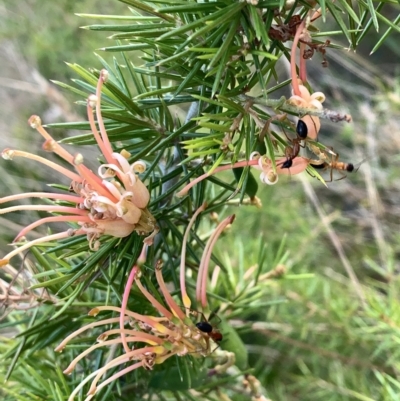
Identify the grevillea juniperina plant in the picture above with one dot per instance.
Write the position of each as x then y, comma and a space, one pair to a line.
203, 102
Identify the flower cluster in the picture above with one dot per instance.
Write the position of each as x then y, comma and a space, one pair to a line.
173, 332
269, 175
112, 202
301, 96
306, 100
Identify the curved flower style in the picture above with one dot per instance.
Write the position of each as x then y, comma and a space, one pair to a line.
300, 95
268, 176
113, 202
172, 333
306, 100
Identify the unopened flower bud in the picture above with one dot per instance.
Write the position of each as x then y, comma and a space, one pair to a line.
102, 337
104, 75
78, 159
7, 154
49, 145
35, 121
93, 312
92, 101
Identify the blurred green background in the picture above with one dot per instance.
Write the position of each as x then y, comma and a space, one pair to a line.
321, 342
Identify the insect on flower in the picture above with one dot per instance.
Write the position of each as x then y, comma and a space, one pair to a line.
290, 164
312, 101
149, 340
291, 152
334, 164
207, 327
172, 333
112, 202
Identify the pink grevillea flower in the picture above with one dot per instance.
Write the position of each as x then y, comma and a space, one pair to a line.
112, 202
201, 286
268, 176
306, 100
171, 333
149, 340
300, 95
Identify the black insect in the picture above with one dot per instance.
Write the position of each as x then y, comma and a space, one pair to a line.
207, 328
301, 129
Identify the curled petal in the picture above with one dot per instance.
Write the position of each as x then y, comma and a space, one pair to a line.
128, 212
297, 101
316, 104
112, 188
102, 204
122, 161
264, 164
313, 126
116, 228
138, 167
304, 93
269, 178
141, 195
255, 156
107, 174
318, 96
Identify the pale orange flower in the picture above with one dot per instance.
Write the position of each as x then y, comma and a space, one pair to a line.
269, 175
306, 100
112, 202
150, 340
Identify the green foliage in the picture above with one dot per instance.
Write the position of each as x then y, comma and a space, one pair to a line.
193, 86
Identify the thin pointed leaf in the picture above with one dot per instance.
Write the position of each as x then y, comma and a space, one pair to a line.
373, 14
385, 35
226, 45
347, 7
338, 18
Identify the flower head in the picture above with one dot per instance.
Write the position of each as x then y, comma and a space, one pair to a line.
306, 100
112, 202
172, 333
150, 340
269, 175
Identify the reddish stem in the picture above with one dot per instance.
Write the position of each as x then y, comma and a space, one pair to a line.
164, 311
295, 83
54, 219
94, 181
47, 195
185, 298
103, 132
201, 287
302, 68
124, 304
243, 163
107, 153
